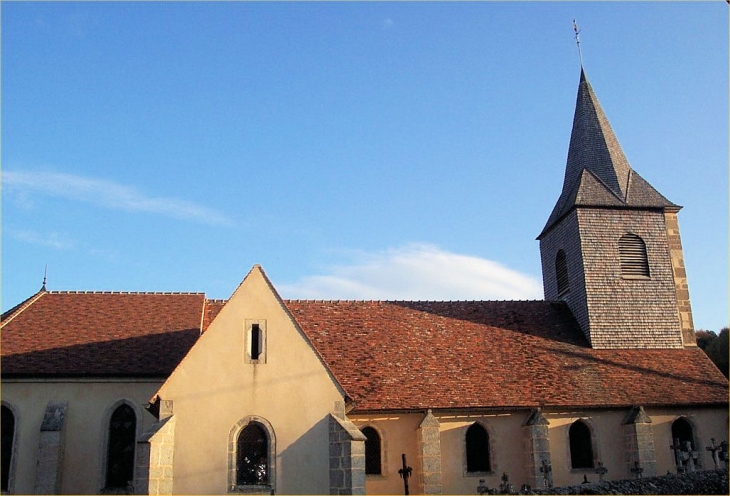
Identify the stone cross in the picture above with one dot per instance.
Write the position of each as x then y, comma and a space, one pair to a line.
677, 448
638, 470
405, 474
723, 453
601, 471
547, 475
714, 449
690, 456
505, 487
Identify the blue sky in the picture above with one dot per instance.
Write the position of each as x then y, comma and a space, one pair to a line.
354, 150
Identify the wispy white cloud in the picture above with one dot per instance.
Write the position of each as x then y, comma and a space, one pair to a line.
107, 194
51, 240
416, 272
388, 23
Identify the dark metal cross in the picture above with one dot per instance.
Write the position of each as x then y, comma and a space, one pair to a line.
638, 470
714, 450
405, 473
601, 471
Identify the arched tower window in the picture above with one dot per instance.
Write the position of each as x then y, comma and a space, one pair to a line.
477, 449
252, 456
121, 446
634, 260
561, 273
581, 445
372, 452
8, 436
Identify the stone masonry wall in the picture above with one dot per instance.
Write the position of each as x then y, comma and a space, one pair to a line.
347, 456
429, 454
680, 278
153, 472
51, 449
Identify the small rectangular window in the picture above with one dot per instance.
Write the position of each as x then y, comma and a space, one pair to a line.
254, 346
255, 342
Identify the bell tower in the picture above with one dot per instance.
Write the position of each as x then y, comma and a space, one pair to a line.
611, 247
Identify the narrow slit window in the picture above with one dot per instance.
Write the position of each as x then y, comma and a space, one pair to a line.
561, 273
8, 435
255, 341
632, 252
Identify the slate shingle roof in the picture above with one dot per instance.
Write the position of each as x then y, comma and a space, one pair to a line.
386, 355
100, 334
597, 172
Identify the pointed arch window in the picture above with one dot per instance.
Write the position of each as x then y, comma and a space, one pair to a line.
561, 273
8, 436
581, 445
120, 449
634, 259
477, 449
252, 456
373, 452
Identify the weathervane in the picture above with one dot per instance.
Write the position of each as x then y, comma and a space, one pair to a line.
45, 276
577, 40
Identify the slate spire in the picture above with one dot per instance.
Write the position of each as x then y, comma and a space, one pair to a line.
597, 173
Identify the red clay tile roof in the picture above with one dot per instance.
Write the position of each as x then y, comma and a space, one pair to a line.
417, 355
386, 355
100, 334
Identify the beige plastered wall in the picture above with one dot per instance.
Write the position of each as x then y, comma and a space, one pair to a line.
399, 435
214, 388
90, 405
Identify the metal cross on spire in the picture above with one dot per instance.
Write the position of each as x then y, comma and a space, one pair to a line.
577, 40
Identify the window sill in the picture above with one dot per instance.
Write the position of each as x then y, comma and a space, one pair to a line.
251, 489
479, 474
635, 278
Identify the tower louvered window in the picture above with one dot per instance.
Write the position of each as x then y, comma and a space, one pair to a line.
634, 261
561, 273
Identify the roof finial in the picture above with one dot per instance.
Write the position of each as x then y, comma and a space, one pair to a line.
45, 276
577, 41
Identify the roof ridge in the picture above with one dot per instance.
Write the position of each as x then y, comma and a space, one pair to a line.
18, 309
314, 300
127, 292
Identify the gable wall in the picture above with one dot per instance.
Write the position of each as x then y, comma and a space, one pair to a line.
89, 406
214, 388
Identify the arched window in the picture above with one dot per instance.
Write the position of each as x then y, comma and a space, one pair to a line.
477, 449
581, 445
252, 456
120, 448
561, 273
682, 431
372, 452
8, 435
632, 251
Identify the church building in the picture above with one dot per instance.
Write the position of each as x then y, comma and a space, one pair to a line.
175, 393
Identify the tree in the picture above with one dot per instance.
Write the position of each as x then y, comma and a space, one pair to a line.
716, 347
